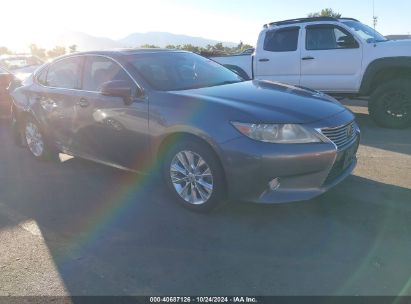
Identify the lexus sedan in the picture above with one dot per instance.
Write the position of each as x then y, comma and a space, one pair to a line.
215, 136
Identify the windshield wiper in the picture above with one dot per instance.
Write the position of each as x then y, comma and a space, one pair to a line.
207, 85
225, 82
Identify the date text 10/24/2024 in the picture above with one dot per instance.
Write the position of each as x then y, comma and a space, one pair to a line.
203, 300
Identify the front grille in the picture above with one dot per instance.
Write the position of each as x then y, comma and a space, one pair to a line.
341, 136
343, 160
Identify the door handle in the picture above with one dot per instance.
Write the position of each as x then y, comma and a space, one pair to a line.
308, 58
83, 103
264, 60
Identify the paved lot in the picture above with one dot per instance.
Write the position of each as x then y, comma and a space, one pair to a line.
80, 228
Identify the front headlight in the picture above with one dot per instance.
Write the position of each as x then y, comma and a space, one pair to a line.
278, 133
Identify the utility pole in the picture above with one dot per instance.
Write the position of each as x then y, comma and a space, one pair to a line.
374, 18
375, 21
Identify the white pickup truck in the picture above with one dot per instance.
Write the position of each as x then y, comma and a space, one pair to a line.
341, 57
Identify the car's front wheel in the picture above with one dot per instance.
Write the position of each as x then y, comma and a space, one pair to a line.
390, 104
194, 175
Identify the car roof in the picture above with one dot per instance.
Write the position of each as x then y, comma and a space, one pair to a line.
117, 52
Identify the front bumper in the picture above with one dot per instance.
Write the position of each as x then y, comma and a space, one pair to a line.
304, 171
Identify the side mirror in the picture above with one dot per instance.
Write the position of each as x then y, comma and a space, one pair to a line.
347, 42
118, 88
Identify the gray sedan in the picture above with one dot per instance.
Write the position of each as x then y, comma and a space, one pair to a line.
213, 135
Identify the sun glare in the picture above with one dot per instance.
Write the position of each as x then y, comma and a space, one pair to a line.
47, 23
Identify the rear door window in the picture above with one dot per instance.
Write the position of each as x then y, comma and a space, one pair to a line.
282, 40
42, 77
65, 73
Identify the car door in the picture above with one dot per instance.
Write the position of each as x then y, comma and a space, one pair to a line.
331, 59
55, 97
107, 128
278, 55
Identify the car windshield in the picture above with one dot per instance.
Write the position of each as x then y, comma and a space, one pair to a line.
364, 31
19, 62
171, 71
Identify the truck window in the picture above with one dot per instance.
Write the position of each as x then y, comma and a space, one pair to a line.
282, 40
328, 37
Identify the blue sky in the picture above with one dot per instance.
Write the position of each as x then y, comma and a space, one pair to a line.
225, 20
393, 16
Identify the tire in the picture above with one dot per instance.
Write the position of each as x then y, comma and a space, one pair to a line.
201, 189
390, 104
35, 140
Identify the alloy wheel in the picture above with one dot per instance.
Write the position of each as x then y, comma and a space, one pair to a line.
34, 139
397, 105
191, 177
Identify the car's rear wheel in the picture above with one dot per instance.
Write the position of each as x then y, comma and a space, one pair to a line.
194, 175
36, 140
390, 104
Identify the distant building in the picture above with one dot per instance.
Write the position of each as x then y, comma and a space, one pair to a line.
398, 37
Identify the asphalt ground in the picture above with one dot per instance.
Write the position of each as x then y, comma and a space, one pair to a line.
80, 228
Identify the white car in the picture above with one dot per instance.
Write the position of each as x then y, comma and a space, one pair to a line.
338, 56
21, 66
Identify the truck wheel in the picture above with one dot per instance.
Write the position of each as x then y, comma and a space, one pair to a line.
390, 104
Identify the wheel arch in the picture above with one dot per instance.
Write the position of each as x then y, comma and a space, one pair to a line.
382, 70
167, 141
22, 116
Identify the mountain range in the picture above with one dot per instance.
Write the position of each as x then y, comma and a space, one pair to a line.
87, 42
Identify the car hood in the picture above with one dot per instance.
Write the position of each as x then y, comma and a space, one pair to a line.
268, 101
392, 48
402, 42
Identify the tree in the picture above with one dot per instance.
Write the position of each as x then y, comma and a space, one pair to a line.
149, 46
73, 48
36, 51
57, 51
242, 47
208, 51
191, 48
219, 46
326, 12
4, 50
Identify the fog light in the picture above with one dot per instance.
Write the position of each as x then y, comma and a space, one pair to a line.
274, 184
